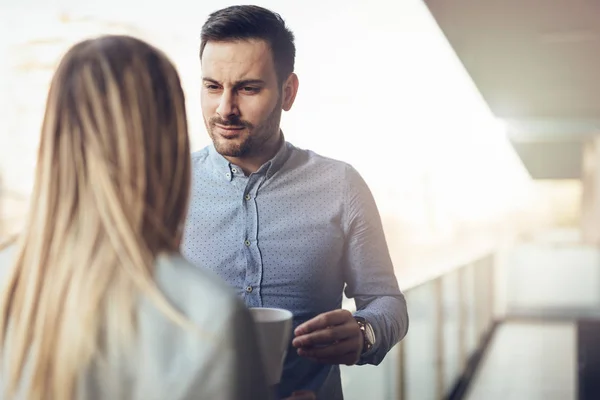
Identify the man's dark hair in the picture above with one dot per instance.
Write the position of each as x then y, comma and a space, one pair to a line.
253, 22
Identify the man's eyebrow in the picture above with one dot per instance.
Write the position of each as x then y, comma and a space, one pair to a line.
243, 82
211, 80
249, 82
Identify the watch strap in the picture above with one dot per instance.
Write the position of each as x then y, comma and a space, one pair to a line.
362, 325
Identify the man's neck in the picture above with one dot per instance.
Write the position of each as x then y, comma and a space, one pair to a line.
252, 162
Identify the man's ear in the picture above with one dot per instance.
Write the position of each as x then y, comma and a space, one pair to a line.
289, 90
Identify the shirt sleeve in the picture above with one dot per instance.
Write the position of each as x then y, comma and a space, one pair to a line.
368, 269
236, 371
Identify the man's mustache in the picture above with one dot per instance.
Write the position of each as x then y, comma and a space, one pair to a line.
232, 121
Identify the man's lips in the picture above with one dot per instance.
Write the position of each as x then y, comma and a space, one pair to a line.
229, 131
229, 127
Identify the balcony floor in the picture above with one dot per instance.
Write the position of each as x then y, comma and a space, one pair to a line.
529, 361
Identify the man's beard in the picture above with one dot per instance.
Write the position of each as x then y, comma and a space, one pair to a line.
255, 136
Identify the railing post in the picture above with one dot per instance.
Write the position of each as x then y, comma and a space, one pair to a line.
400, 386
462, 318
491, 267
439, 335
481, 291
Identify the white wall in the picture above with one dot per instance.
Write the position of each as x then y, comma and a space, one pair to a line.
380, 88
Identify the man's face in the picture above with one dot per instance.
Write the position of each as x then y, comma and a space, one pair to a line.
241, 100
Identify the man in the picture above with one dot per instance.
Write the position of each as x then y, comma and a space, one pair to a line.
286, 227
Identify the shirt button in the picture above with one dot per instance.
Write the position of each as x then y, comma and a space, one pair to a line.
249, 289
228, 175
234, 170
247, 197
247, 243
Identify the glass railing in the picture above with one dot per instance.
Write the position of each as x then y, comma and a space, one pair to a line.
451, 315
451, 311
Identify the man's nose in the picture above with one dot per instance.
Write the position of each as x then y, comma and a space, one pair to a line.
227, 105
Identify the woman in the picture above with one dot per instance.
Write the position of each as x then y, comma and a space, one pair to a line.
99, 305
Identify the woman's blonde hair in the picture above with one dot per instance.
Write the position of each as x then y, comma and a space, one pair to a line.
110, 195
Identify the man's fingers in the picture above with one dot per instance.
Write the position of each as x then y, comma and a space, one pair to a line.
334, 350
322, 321
330, 338
349, 358
326, 336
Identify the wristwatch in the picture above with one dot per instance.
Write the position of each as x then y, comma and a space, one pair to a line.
368, 333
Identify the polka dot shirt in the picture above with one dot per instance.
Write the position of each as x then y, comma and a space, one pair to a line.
295, 234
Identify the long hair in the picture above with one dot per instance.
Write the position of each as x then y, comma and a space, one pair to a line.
110, 195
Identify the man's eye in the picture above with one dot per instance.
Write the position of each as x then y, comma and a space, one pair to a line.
212, 87
250, 89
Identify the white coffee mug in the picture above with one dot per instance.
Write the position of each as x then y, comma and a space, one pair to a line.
274, 330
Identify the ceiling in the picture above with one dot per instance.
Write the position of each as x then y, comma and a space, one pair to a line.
536, 63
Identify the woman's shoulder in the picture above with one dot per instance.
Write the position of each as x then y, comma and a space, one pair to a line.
197, 292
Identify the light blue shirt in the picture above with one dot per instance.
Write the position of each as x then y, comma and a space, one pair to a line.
295, 235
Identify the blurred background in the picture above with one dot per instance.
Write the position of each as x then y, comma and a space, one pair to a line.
476, 124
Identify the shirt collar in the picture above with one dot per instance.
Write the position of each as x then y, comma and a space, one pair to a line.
227, 170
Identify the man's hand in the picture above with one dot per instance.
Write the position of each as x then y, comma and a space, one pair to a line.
333, 337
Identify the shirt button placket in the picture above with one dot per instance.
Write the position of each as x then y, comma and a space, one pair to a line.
253, 271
